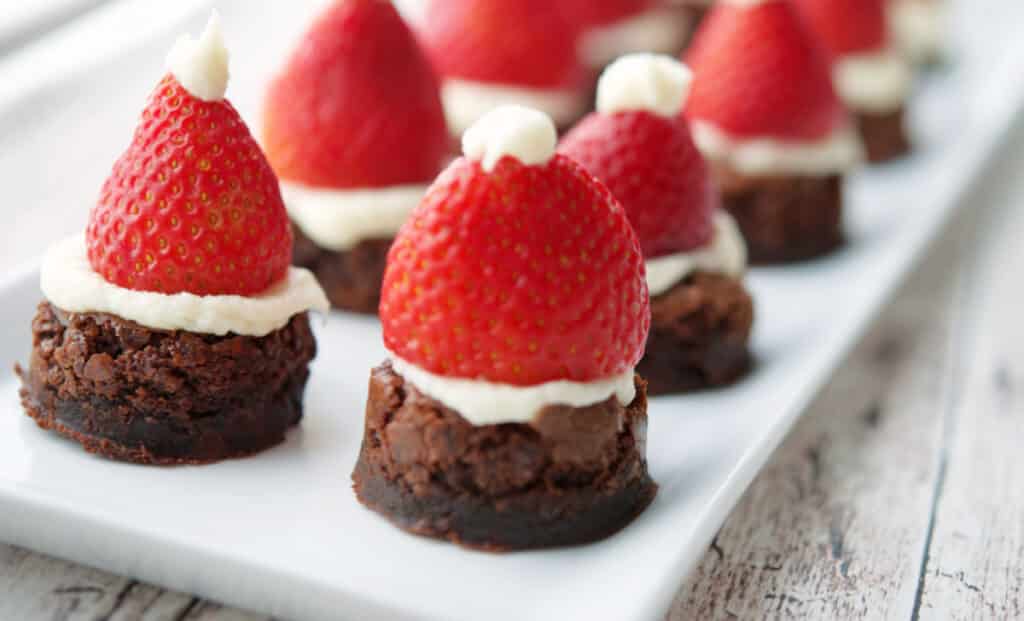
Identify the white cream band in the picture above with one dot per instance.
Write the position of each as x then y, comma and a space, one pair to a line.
726, 253
467, 102
488, 403
837, 153
339, 219
919, 27
201, 65
659, 30
875, 83
69, 283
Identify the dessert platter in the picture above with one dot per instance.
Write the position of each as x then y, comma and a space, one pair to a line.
507, 342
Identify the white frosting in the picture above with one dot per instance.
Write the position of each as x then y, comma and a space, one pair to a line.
201, 65
660, 30
488, 403
650, 82
514, 131
838, 152
69, 282
467, 102
919, 27
876, 82
339, 219
726, 253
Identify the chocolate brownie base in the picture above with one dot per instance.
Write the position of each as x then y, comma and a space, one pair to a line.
884, 135
135, 394
784, 219
699, 334
351, 278
572, 476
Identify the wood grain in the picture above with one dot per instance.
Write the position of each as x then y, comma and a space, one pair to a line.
835, 526
974, 568
38, 587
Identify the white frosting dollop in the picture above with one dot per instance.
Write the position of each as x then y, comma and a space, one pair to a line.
467, 102
201, 65
513, 131
488, 403
877, 82
839, 152
651, 82
658, 30
919, 27
69, 282
726, 253
339, 219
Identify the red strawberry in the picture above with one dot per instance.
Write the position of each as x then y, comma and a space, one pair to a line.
357, 105
847, 26
526, 43
591, 13
651, 165
523, 275
192, 205
758, 71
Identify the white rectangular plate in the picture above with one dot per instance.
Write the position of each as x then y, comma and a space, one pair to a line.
282, 533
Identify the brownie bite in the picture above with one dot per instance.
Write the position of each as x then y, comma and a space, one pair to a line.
570, 476
700, 333
784, 219
509, 415
766, 115
701, 313
871, 74
354, 127
132, 393
174, 330
350, 278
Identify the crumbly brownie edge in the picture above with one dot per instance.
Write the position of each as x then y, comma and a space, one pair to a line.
884, 135
502, 487
129, 393
350, 278
700, 330
784, 219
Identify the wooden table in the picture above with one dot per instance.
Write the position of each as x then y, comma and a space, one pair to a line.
895, 497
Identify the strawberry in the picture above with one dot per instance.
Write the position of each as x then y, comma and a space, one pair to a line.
591, 13
650, 163
527, 43
846, 26
192, 205
357, 105
759, 72
522, 275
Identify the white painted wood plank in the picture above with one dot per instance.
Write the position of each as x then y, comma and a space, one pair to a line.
39, 587
835, 527
975, 568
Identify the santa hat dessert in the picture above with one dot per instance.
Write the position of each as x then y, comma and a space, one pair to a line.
612, 28
515, 310
174, 330
354, 127
919, 28
494, 52
871, 76
766, 116
636, 144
